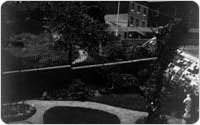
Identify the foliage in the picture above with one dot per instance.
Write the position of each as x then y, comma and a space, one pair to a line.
32, 44
72, 21
117, 81
75, 91
114, 51
72, 24
142, 120
20, 18
168, 40
37, 51
175, 93
77, 28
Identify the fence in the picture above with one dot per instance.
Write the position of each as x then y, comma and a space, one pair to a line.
81, 67
22, 63
39, 61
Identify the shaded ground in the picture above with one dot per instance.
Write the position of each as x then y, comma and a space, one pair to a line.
192, 50
128, 101
170, 106
77, 115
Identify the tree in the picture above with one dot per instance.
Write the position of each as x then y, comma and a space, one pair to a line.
168, 41
72, 21
20, 17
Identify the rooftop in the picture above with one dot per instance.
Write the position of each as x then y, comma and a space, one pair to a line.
112, 19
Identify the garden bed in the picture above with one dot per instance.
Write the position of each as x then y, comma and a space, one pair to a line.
16, 112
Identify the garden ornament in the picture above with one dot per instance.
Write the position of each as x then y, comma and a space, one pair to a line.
187, 101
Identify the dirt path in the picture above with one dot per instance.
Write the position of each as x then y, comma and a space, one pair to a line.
126, 116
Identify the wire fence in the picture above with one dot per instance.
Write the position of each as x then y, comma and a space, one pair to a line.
83, 59
82, 66
39, 61
21, 63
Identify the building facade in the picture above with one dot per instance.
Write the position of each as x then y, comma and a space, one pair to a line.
138, 14
143, 16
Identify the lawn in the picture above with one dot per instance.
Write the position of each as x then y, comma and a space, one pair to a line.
78, 115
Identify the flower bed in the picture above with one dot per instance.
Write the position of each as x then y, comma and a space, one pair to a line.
16, 112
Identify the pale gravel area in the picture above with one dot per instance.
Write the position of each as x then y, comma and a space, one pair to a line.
126, 116
191, 49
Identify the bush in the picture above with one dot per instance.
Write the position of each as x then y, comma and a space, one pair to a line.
17, 112
175, 93
115, 80
114, 51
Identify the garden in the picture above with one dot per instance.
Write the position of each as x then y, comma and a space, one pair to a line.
139, 86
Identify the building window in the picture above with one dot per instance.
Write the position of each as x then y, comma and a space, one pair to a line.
137, 22
145, 11
138, 8
125, 35
133, 6
155, 24
131, 20
156, 12
143, 24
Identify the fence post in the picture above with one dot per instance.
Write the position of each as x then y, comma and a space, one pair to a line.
70, 59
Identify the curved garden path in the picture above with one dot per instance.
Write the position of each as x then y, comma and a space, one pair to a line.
125, 116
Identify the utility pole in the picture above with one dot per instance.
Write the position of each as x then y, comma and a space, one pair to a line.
175, 12
118, 8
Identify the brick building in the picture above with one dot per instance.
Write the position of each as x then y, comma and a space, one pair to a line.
138, 14
141, 17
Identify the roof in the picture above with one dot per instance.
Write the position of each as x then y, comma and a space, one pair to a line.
140, 30
112, 19
144, 3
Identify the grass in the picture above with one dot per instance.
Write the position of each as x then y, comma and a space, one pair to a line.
33, 44
77, 115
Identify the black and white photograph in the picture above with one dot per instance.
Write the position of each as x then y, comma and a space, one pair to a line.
99, 62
